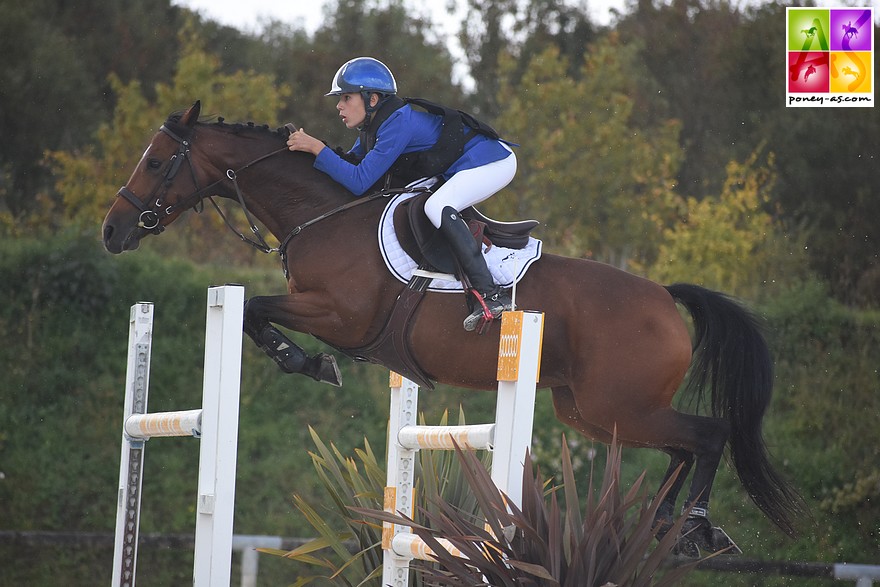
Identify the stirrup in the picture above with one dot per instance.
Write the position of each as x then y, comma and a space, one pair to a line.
489, 307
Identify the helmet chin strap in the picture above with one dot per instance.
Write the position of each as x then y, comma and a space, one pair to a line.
371, 109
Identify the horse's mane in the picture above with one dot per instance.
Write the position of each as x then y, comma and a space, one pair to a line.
173, 123
237, 127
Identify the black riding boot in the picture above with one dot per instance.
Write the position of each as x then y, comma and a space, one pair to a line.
470, 256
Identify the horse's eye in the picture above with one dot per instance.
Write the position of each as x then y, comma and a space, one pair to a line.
154, 164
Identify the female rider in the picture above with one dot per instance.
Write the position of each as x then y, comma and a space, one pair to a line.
390, 128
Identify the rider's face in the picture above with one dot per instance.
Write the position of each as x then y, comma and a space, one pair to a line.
352, 110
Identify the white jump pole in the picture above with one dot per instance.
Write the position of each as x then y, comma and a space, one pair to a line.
216, 424
137, 385
519, 368
519, 360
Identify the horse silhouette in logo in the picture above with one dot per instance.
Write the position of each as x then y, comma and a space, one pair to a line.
810, 71
847, 70
849, 31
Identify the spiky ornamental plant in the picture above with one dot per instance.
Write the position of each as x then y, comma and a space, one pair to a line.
353, 556
611, 544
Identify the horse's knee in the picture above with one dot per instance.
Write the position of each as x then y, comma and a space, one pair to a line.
255, 320
253, 307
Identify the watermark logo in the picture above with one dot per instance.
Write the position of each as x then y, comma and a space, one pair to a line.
830, 57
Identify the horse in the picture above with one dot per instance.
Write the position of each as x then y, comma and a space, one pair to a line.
809, 33
615, 351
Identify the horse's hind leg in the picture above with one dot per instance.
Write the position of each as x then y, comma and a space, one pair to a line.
290, 357
680, 463
688, 439
701, 442
698, 532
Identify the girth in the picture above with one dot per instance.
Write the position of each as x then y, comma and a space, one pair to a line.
391, 348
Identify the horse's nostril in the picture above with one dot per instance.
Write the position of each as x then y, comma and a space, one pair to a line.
108, 232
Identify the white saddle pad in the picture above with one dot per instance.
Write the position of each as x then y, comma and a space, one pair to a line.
507, 266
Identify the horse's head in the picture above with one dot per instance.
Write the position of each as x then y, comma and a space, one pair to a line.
162, 186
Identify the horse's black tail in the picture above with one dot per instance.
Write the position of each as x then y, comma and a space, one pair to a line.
732, 359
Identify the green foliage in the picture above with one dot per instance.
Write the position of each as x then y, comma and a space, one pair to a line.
829, 358
694, 69
88, 180
679, 91
53, 82
64, 302
730, 242
718, 81
600, 182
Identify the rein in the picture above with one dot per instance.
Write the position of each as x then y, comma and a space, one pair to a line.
151, 217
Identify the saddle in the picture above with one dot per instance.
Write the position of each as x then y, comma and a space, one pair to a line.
424, 243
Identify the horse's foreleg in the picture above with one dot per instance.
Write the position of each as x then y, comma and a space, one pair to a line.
290, 357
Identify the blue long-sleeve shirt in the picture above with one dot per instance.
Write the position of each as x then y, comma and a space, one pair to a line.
404, 131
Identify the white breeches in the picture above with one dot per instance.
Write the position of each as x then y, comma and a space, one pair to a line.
470, 186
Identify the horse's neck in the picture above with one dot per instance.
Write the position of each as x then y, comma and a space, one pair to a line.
281, 189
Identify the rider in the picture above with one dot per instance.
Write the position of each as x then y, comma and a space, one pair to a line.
390, 128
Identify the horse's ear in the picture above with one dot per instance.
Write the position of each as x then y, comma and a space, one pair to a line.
191, 116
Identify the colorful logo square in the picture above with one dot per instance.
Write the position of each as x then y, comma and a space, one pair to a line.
850, 72
830, 56
808, 71
851, 29
808, 29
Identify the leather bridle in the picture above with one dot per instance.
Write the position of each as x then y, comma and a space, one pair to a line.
152, 215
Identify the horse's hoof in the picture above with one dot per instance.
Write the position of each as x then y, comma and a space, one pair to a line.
708, 538
722, 542
686, 548
326, 370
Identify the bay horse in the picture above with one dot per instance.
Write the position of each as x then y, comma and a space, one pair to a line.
615, 352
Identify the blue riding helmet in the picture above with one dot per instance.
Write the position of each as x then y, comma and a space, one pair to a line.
363, 74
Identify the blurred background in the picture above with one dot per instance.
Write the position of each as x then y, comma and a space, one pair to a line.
653, 137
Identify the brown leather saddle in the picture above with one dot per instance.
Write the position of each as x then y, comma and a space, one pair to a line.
424, 243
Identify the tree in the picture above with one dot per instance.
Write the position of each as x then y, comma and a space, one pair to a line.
601, 185
483, 45
498, 29
711, 59
53, 82
730, 242
684, 44
87, 179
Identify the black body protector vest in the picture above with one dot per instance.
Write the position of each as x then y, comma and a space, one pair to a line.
457, 129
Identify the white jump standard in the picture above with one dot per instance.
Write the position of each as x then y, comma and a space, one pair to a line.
519, 360
217, 453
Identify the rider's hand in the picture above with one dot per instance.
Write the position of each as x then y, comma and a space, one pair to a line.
302, 141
